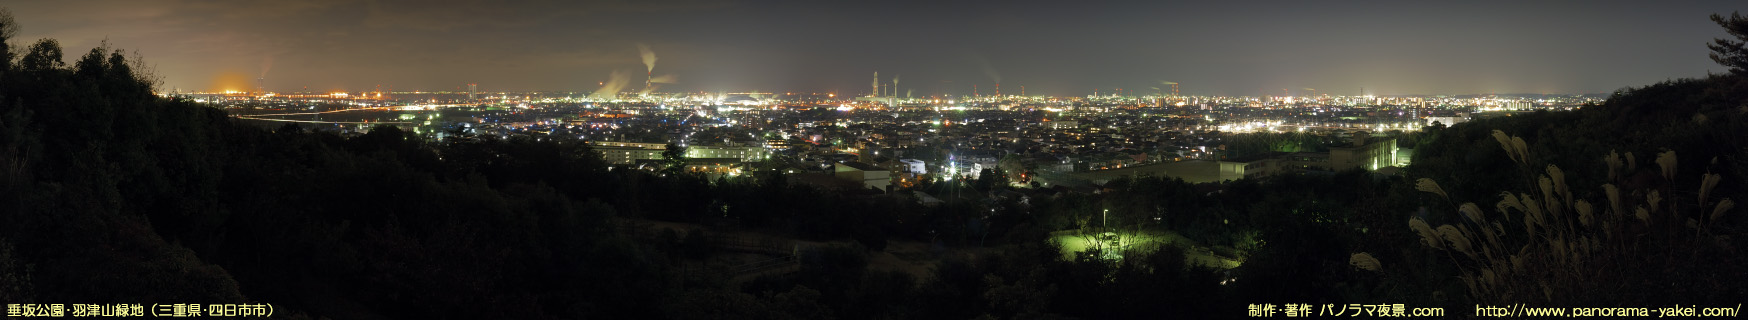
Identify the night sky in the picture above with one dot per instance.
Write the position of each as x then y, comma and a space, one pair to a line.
1055, 47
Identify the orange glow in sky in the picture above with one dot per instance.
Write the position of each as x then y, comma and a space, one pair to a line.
232, 80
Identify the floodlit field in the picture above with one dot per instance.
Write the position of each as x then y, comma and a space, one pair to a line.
1135, 242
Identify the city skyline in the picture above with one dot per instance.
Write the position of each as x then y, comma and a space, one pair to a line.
1212, 49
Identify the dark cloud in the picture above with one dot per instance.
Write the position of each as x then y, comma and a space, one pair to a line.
1059, 48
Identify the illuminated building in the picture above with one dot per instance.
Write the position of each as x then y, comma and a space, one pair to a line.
630, 152
745, 154
914, 166
869, 175
628, 155
1368, 156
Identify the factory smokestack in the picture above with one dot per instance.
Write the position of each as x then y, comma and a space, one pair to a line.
893, 102
649, 60
261, 82
874, 89
894, 91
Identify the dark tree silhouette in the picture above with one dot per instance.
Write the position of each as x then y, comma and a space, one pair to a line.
8, 29
674, 159
1731, 53
43, 56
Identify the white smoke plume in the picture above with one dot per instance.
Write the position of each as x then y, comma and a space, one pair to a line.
610, 89
987, 69
266, 65
656, 83
649, 58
